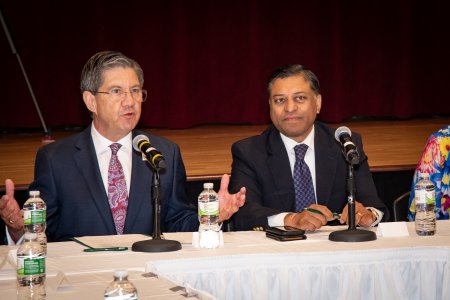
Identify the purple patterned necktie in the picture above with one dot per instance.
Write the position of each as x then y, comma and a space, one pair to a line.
304, 189
117, 189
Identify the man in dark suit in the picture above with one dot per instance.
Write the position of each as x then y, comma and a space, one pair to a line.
266, 164
91, 189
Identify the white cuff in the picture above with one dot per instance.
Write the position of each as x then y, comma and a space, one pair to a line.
378, 214
276, 220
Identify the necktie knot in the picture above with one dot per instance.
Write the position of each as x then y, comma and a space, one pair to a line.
114, 148
300, 151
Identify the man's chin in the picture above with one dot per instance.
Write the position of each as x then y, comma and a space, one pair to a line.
129, 125
293, 133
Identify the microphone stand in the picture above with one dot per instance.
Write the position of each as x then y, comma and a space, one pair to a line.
47, 135
352, 234
157, 243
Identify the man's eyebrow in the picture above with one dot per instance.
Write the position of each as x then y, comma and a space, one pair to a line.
294, 93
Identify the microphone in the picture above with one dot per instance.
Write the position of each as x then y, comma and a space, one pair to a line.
343, 136
156, 160
142, 144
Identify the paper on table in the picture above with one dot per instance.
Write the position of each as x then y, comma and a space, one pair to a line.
59, 282
8, 256
324, 232
392, 229
106, 241
11, 258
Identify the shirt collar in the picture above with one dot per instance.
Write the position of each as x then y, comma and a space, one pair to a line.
102, 144
290, 143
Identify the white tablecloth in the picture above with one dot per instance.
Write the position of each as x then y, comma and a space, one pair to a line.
411, 273
389, 268
250, 266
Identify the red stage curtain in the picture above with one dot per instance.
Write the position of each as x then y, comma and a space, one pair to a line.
207, 61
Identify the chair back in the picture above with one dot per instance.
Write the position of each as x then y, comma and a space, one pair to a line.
400, 207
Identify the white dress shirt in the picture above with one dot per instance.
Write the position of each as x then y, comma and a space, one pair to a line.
278, 220
103, 151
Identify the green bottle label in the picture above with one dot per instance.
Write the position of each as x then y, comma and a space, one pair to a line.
425, 197
208, 209
30, 266
31, 217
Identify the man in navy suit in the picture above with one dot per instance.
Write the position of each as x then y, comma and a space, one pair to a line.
264, 164
72, 174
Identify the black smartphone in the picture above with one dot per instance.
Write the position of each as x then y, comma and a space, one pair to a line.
285, 233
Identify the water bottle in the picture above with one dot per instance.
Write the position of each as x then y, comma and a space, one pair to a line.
120, 288
34, 217
30, 268
425, 203
208, 215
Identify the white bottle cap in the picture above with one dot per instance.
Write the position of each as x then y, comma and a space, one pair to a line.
208, 185
34, 193
120, 274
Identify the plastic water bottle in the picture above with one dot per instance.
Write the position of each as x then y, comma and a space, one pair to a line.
34, 217
120, 288
30, 268
425, 203
208, 215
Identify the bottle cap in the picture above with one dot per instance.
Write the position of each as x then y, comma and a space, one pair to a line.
208, 185
30, 236
120, 274
424, 175
34, 193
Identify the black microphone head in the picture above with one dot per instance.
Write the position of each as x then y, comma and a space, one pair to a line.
342, 130
137, 139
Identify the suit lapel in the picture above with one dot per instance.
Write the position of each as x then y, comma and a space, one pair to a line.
141, 181
86, 161
280, 169
325, 160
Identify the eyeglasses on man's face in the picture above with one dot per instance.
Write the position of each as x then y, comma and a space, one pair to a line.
118, 94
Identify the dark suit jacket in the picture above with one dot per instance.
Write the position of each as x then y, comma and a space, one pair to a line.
261, 164
68, 176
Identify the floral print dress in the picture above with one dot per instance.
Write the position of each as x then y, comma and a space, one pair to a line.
435, 161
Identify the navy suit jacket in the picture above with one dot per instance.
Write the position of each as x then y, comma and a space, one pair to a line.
261, 164
68, 176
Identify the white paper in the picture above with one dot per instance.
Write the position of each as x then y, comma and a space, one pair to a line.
10, 258
59, 282
392, 229
106, 241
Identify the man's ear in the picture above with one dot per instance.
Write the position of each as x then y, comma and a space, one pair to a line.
318, 103
89, 101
